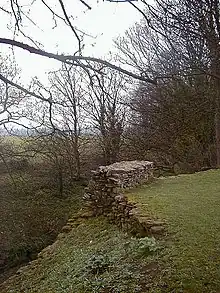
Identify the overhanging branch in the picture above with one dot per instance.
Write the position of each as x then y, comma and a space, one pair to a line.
68, 58
7, 81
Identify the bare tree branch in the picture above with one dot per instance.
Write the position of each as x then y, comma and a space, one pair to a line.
7, 81
86, 4
70, 24
67, 58
4, 10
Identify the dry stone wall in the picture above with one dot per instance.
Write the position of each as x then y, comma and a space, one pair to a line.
105, 195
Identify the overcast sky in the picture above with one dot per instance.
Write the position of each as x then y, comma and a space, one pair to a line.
104, 23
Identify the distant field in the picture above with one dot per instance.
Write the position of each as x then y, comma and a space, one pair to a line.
191, 206
16, 140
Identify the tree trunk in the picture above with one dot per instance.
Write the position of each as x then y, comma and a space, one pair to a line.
60, 180
59, 175
77, 157
8, 170
217, 129
216, 83
77, 153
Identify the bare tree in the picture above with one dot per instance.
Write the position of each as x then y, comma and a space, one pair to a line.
61, 14
192, 22
187, 29
67, 91
11, 99
11, 110
106, 109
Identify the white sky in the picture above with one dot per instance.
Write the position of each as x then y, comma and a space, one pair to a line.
105, 22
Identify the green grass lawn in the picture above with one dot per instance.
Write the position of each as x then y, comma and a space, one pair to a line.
191, 206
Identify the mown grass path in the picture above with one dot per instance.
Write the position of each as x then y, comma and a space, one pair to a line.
191, 206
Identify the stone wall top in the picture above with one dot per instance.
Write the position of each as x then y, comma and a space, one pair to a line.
126, 166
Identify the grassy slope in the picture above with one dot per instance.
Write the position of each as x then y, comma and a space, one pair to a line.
191, 206
30, 220
94, 257
189, 263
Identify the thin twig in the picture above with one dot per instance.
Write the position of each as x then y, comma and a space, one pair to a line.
70, 24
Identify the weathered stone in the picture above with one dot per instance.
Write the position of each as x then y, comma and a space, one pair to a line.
70, 221
87, 214
74, 217
61, 236
21, 270
136, 213
120, 198
103, 196
158, 223
145, 221
157, 229
66, 229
